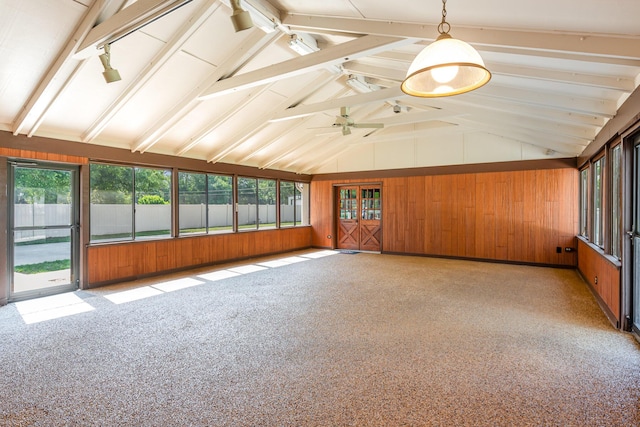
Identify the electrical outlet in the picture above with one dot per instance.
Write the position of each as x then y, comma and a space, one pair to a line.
595, 280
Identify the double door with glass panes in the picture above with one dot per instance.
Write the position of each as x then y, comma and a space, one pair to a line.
359, 216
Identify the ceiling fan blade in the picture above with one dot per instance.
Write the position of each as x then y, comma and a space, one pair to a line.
368, 125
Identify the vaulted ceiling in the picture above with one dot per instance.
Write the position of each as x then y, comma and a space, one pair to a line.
191, 86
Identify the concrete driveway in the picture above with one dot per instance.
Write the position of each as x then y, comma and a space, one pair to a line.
34, 254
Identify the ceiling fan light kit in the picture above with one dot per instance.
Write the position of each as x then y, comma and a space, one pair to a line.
446, 67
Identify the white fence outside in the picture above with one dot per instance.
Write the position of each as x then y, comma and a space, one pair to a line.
41, 215
116, 219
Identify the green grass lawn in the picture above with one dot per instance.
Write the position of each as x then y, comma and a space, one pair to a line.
43, 267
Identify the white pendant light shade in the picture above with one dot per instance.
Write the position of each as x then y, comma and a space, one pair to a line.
446, 67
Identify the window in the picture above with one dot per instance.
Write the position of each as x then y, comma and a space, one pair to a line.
152, 203
293, 205
616, 206
266, 203
598, 201
287, 204
584, 202
247, 203
302, 194
206, 203
117, 190
220, 197
192, 197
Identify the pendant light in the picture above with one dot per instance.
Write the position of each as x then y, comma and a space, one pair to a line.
446, 67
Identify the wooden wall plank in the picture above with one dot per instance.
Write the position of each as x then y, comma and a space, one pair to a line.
520, 216
36, 155
592, 264
108, 263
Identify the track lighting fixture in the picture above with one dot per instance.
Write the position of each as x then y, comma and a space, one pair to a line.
110, 75
240, 18
446, 67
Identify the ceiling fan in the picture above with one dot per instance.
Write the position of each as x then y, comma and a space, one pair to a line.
346, 123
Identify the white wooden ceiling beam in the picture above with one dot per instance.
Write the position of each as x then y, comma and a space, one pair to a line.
564, 55
591, 44
411, 134
238, 139
477, 111
176, 42
47, 108
40, 98
231, 112
318, 83
553, 101
334, 55
255, 42
583, 79
266, 144
365, 69
299, 149
573, 135
331, 104
326, 152
524, 112
529, 137
618, 83
124, 22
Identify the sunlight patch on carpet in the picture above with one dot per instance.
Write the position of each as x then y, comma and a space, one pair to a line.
176, 285
53, 307
133, 295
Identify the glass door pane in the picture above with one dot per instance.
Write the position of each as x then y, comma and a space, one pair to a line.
43, 235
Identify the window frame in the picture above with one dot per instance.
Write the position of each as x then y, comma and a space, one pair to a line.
584, 202
615, 210
599, 200
133, 234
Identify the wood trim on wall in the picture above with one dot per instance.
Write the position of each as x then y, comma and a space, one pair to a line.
519, 216
125, 261
38, 155
93, 152
522, 165
603, 277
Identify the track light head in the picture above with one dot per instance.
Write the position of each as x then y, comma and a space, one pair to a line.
240, 18
110, 75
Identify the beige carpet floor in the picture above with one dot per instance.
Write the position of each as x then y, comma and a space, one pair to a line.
322, 339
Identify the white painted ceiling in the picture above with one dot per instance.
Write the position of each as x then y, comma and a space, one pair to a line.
193, 87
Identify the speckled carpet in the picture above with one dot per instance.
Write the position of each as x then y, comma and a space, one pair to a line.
313, 340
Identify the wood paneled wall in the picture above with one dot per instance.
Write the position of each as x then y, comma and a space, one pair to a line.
107, 263
49, 157
520, 216
603, 275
